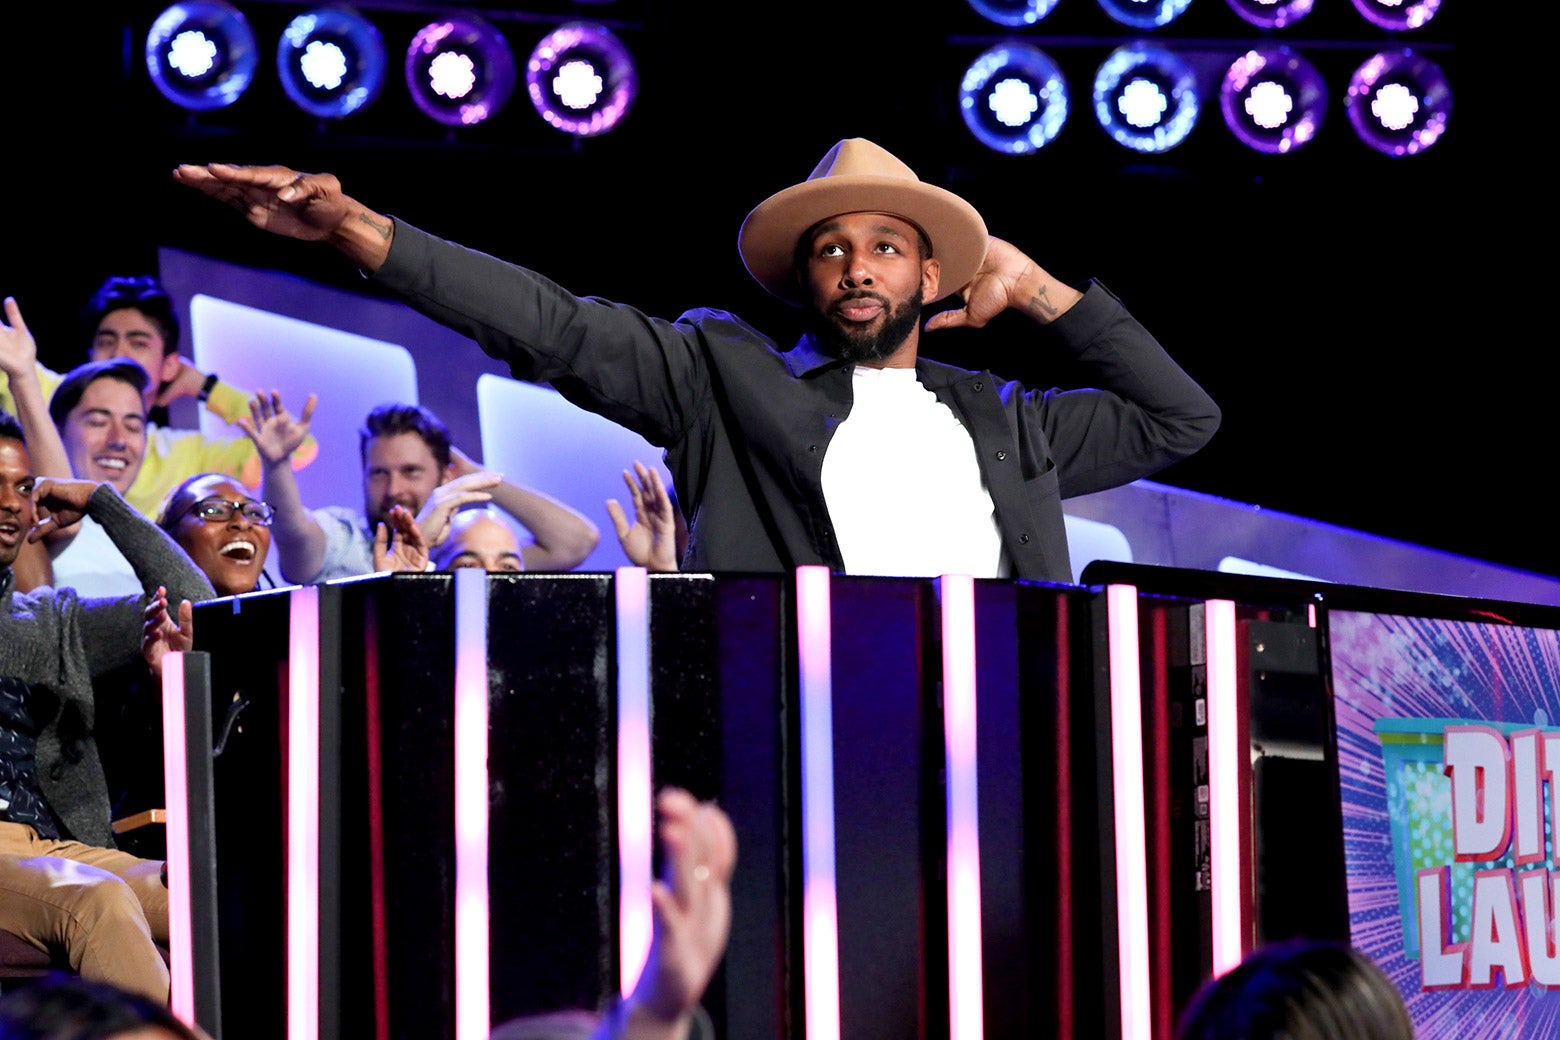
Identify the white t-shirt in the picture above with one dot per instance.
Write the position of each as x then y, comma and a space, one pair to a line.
903, 486
93, 566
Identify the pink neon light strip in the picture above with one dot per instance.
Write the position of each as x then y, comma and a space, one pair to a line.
176, 799
1225, 765
473, 1017
634, 798
303, 813
966, 993
820, 914
1126, 740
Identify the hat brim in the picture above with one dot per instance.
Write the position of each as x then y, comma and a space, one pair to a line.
769, 235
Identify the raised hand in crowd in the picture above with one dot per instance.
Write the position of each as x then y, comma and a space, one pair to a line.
692, 904
59, 504
19, 362
399, 544
18, 350
275, 431
651, 540
163, 634
468, 488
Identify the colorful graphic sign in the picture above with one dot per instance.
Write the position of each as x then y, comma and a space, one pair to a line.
1447, 760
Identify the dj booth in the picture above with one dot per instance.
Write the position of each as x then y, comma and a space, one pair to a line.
418, 806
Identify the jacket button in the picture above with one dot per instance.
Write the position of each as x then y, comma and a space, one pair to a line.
979, 386
1001, 455
1023, 539
812, 448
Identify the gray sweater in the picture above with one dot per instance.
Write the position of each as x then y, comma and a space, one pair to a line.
59, 643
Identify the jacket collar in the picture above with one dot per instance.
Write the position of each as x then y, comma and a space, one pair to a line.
806, 357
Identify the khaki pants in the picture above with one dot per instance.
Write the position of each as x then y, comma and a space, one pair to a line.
105, 910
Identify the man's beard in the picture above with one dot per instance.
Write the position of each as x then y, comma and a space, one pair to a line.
856, 344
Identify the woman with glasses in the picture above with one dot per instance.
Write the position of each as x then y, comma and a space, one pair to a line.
225, 531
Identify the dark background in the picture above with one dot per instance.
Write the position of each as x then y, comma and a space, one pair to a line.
1372, 327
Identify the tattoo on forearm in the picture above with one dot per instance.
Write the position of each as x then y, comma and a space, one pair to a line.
380, 229
1040, 304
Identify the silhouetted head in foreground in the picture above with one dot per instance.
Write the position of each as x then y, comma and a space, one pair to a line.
1299, 990
66, 1007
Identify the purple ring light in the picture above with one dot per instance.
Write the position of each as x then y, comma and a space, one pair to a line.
582, 79
460, 70
1398, 102
1146, 97
201, 54
1144, 14
1399, 16
1273, 99
1013, 99
1013, 13
331, 61
1271, 14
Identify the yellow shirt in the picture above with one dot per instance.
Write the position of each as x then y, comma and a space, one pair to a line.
172, 455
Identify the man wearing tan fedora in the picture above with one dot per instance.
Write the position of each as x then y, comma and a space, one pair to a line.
849, 449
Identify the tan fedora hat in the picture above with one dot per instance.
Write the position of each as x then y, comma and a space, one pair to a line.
858, 176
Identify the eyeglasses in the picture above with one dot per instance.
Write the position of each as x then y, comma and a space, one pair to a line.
221, 510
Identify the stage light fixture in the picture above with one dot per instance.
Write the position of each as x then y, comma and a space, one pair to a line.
1144, 14
1146, 97
582, 79
1398, 102
1015, 13
331, 61
1273, 99
460, 70
1013, 98
1271, 14
1396, 15
201, 55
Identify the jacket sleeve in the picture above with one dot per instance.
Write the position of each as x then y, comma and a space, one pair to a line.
111, 627
644, 373
1140, 411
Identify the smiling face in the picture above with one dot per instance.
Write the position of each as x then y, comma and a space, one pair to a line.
16, 499
866, 278
105, 434
398, 469
231, 551
128, 333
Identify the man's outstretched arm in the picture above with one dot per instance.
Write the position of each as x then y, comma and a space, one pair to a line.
310, 207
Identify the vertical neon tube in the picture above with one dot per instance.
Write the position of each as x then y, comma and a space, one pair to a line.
473, 1019
1225, 766
303, 813
635, 816
966, 1013
820, 916
1126, 741
181, 926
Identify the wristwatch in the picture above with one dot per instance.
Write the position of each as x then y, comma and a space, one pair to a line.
206, 387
